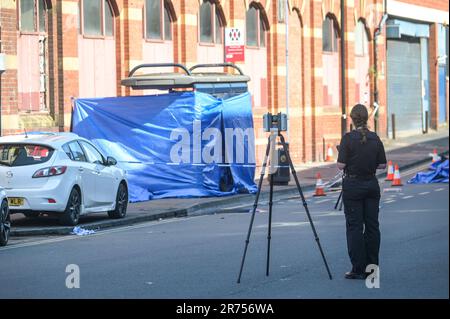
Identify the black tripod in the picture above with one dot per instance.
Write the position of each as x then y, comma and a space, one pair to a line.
272, 138
339, 200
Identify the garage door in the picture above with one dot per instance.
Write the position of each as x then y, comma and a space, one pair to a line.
404, 94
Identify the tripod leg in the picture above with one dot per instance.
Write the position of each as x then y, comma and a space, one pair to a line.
263, 170
269, 233
342, 203
305, 204
338, 200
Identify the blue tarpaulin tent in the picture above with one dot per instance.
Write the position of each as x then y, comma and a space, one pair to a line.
180, 144
437, 173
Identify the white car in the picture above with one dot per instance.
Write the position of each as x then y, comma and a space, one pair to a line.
60, 173
5, 221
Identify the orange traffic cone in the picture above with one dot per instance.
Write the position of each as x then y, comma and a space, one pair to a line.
390, 172
397, 179
435, 156
319, 186
329, 157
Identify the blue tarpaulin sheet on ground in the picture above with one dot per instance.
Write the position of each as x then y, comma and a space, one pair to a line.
437, 173
180, 144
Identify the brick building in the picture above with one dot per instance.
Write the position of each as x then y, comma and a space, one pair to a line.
55, 50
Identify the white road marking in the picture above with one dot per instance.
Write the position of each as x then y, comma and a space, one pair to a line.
322, 201
287, 224
406, 197
424, 193
390, 190
389, 201
439, 189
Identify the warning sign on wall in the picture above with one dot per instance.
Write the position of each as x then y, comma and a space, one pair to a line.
234, 45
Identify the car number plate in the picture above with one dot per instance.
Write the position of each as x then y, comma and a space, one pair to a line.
15, 201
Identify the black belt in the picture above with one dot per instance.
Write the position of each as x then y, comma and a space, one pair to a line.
365, 177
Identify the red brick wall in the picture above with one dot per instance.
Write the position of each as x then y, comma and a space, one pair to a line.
8, 80
311, 125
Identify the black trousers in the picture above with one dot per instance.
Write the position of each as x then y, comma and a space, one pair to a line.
361, 207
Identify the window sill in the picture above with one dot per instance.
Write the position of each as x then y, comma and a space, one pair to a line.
32, 33
251, 47
208, 44
159, 41
329, 52
98, 37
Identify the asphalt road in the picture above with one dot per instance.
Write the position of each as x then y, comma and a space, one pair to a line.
199, 257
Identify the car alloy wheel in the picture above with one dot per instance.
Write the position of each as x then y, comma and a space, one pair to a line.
71, 214
121, 203
122, 200
75, 205
5, 223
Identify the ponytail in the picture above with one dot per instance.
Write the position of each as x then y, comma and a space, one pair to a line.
363, 130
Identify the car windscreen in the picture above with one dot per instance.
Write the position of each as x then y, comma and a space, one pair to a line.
24, 154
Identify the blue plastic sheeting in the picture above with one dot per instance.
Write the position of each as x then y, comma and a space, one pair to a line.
437, 173
173, 145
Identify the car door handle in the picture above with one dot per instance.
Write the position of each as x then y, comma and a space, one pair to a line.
80, 169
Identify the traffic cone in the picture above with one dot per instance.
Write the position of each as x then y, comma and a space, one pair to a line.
435, 156
319, 186
397, 179
390, 172
329, 157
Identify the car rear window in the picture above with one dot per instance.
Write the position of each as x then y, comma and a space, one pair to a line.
24, 154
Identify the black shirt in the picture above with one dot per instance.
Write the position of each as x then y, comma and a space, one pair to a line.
361, 159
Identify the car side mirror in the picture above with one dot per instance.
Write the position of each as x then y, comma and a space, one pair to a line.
111, 161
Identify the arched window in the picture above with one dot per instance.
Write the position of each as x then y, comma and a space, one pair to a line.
158, 20
361, 39
32, 15
255, 27
211, 23
330, 35
98, 18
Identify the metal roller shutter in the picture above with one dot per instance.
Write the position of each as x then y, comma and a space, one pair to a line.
404, 95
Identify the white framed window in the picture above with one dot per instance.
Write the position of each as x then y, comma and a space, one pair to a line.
330, 35
255, 28
158, 20
97, 18
32, 16
361, 39
211, 23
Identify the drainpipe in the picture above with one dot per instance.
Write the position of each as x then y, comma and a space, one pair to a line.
377, 32
2, 69
286, 21
343, 94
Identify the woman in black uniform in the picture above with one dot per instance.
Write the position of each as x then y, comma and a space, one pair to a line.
361, 153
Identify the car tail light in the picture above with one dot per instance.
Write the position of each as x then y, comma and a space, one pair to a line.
50, 171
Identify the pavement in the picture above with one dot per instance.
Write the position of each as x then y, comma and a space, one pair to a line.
199, 256
407, 152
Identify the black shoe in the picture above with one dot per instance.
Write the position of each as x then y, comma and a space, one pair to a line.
355, 275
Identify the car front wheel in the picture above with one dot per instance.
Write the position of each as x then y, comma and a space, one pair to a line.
121, 203
71, 215
5, 223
